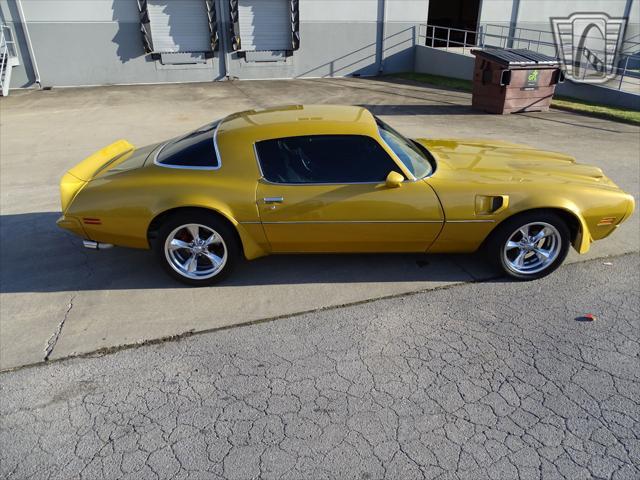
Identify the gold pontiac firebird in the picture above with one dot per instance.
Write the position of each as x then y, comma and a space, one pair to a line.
335, 179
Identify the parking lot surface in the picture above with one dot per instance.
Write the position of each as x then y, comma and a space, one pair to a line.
485, 380
59, 300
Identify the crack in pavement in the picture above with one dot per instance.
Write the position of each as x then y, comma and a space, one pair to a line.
474, 279
478, 381
53, 339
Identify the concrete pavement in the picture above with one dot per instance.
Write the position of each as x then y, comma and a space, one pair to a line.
57, 298
485, 380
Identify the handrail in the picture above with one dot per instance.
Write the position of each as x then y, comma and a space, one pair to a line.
4, 53
448, 28
628, 42
468, 35
517, 28
4, 43
7, 49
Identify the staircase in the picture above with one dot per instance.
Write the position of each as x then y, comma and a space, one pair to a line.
8, 58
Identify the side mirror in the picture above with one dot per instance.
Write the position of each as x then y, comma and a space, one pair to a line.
394, 180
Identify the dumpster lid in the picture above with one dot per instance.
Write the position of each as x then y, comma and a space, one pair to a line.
516, 57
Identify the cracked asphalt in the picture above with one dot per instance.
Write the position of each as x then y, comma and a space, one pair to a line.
482, 380
122, 297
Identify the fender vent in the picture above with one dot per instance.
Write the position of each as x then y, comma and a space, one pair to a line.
491, 204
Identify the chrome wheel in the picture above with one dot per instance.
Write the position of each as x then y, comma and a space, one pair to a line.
195, 251
532, 248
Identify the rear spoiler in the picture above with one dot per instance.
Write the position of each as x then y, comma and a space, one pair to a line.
76, 178
95, 163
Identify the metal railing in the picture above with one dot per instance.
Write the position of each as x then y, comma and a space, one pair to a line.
626, 71
545, 38
623, 77
447, 37
519, 37
7, 52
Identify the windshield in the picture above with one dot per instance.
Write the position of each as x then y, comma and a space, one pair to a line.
414, 157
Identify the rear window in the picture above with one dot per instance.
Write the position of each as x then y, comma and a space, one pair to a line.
195, 149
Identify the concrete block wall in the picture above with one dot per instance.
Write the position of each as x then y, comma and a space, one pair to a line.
436, 61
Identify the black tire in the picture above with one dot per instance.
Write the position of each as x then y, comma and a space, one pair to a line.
505, 263
212, 222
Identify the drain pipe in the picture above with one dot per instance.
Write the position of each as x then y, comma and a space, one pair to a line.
627, 9
513, 24
32, 55
224, 62
225, 45
382, 16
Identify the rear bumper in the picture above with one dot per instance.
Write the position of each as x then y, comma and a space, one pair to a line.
73, 225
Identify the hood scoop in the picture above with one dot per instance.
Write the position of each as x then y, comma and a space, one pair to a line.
557, 167
512, 162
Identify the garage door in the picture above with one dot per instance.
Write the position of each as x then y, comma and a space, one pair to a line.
264, 24
179, 25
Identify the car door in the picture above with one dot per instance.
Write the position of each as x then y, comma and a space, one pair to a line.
327, 193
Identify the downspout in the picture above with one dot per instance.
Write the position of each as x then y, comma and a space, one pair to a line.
225, 46
382, 16
222, 39
25, 29
627, 9
515, 10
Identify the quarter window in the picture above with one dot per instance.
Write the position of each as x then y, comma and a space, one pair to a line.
324, 159
196, 149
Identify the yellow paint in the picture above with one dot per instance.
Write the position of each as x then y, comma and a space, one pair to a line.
394, 179
530, 178
451, 211
90, 166
364, 217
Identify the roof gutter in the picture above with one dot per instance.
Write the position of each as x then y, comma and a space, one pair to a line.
32, 55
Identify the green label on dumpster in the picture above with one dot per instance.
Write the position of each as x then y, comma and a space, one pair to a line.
532, 78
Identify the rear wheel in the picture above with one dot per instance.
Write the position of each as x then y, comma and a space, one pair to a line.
197, 249
530, 245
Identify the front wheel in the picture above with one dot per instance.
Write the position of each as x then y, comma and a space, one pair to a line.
196, 249
530, 246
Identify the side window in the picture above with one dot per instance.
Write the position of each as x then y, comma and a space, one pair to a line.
195, 149
324, 159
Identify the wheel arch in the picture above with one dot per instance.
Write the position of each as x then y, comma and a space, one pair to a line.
580, 237
250, 248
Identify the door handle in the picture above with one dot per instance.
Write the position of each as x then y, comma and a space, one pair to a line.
273, 199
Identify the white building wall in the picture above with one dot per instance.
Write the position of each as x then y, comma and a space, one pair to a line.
98, 42
536, 14
86, 42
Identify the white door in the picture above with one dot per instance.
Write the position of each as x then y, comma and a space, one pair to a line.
179, 26
265, 24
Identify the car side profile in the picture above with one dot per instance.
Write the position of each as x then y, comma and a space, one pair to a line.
335, 179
